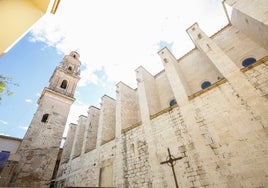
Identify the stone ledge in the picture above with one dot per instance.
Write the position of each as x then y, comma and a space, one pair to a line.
131, 127
216, 84
260, 61
163, 111
106, 141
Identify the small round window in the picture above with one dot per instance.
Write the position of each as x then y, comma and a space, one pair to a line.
248, 61
205, 84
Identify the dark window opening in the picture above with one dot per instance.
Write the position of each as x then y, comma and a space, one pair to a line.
172, 102
64, 84
70, 68
205, 84
4, 155
248, 61
44, 118
165, 60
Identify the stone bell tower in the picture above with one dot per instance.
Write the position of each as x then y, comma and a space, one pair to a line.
41, 143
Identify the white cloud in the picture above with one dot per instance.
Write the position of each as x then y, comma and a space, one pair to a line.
3, 122
122, 35
23, 127
28, 100
87, 77
76, 110
116, 37
4, 134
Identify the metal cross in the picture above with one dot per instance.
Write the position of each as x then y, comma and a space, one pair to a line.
171, 161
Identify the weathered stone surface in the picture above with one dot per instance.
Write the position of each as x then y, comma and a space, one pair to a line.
40, 146
219, 132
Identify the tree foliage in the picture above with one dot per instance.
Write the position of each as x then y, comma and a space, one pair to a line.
5, 82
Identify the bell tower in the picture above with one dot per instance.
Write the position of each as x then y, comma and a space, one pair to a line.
66, 75
40, 146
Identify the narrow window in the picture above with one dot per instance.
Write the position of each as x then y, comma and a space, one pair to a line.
44, 118
132, 149
70, 68
64, 84
205, 84
248, 61
172, 102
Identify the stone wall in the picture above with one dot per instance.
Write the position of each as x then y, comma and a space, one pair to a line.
151, 93
107, 120
238, 46
68, 145
40, 146
248, 20
258, 77
215, 150
164, 90
127, 97
135, 159
90, 137
6, 172
79, 137
85, 169
196, 68
218, 134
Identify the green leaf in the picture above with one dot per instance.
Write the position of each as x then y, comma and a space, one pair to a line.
4, 83
10, 93
2, 86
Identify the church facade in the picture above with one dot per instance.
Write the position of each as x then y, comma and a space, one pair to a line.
200, 122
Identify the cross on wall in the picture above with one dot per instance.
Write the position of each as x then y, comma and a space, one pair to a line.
171, 162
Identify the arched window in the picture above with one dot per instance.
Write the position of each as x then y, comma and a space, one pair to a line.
64, 84
172, 102
248, 61
44, 118
70, 68
205, 84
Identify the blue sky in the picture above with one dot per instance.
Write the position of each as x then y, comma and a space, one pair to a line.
28, 65
31, 65
112, 40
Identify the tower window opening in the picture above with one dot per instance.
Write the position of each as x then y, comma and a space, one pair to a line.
248, 61
165, 60
64, 84
44, 118
132, 149
70, 68
172, 102
205, 84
